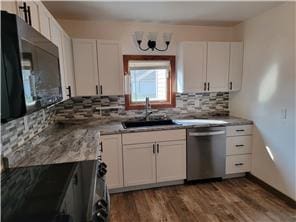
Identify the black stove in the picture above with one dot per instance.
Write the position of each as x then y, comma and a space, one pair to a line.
68, 192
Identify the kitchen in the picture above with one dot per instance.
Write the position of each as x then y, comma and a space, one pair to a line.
148, 111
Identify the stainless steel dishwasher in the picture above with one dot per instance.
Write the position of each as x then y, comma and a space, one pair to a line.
206, 147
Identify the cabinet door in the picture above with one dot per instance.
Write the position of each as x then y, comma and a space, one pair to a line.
139, 164
68, 64
110, 68
44, 20
191, 75
112, 156
218, 66
171, 161
236, 66
85, 66
56, 38
9, 6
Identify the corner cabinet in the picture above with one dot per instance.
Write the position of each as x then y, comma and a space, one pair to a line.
236, 66
112, 156
209, 66
154, 157
98, 67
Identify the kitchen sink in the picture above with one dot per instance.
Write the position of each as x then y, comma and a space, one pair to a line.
144, 123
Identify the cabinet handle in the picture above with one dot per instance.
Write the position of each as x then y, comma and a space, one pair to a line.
230, 85
157, 148
24, 8
101, 89
208, 86
97, 90
29, 16
153, 150
205, 86
101, 145
240, 130
238, 164
239, 145
69, 91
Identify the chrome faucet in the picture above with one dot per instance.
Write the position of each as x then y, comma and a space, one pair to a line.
147, 107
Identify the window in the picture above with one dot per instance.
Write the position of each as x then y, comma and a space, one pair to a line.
150, 76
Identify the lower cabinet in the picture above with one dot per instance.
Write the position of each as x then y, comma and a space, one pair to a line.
171, 161
139, 164
112, 156
154, 162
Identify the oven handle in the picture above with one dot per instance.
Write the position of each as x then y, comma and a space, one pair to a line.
207, 133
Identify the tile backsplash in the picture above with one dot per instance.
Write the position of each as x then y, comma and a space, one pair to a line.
15, 133
114, 106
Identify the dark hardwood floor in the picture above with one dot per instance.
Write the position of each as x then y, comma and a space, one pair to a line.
230, 200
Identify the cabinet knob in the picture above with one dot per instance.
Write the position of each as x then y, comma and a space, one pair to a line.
230, 85
208, 86
157, 148
153, 148
205, 86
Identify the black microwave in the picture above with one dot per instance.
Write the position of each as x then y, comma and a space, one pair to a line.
30, 70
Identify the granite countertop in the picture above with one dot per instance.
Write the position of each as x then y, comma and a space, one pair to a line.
78, 140
58, 143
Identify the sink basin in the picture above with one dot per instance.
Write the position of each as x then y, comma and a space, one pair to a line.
143, 123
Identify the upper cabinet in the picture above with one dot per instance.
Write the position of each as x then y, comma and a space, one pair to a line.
218, 66
85, 66
191, 66
44, 21
32, 17
209, 66
110, 68
236, 66
98, 67
69, 66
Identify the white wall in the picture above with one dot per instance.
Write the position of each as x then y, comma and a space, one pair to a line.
268, 87
124, 31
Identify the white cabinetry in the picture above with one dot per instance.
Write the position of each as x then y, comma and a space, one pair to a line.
191, 66
171, 160
139, 164
236, 66
98, 67
154, 157
85, 66
112, 156
110, 67
209, 66
68, 64
44, 20
33, 7
218, 66
238, 149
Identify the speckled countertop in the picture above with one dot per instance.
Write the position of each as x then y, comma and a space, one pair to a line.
78, 140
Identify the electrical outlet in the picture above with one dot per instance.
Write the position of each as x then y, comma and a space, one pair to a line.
197, 103
284, 112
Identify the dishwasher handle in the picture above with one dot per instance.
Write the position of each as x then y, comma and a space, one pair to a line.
213, 133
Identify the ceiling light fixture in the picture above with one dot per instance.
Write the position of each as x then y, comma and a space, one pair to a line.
152, 36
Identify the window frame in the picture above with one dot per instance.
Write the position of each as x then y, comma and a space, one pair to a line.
171, 84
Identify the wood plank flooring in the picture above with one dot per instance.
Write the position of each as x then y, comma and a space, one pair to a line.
230, 200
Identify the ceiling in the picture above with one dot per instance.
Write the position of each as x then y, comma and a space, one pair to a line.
180, 13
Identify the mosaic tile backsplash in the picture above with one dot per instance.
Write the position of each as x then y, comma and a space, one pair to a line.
114, 106
14, 133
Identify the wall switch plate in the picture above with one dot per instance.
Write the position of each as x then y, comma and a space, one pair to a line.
284, 112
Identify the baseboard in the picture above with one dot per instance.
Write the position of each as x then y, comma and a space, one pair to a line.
290, 202
146, 186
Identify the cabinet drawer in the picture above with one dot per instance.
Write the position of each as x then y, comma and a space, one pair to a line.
238, 145
153, 136
240, 130
238, 164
